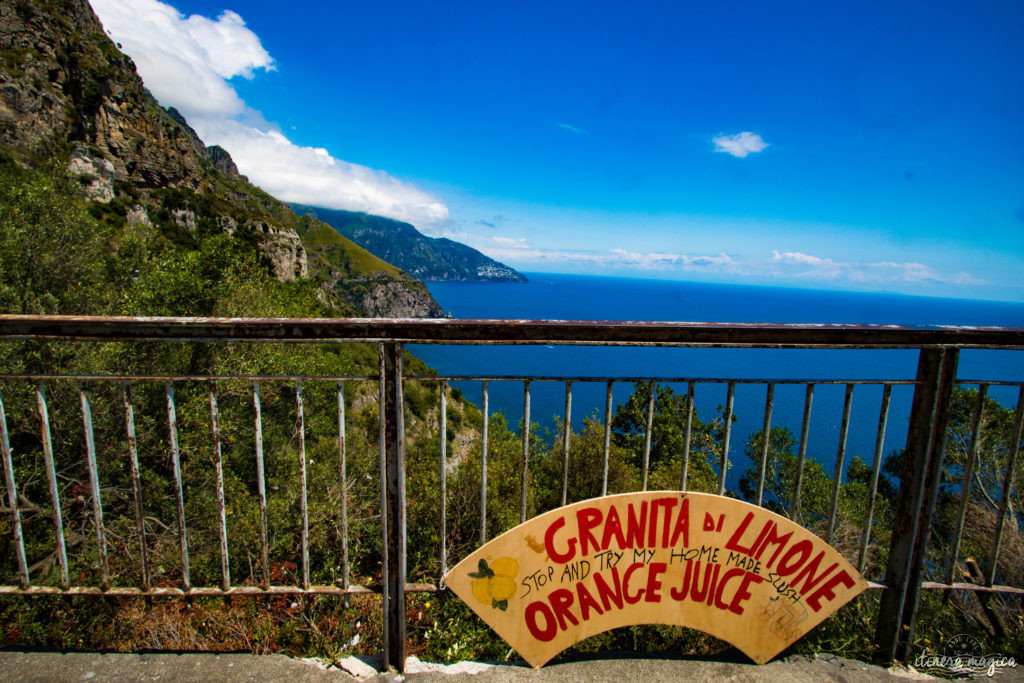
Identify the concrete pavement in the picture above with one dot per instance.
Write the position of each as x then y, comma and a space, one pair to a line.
84, 666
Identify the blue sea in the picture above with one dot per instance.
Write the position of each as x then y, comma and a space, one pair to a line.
576, 297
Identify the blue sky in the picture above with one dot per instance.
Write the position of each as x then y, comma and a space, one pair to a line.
875, 146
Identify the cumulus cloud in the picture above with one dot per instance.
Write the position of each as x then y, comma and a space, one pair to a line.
740, 144
310, 175
187, 63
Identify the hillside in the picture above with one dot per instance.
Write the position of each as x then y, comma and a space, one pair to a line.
70, 98
426, 258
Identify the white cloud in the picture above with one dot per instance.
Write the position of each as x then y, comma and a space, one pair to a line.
789, 265
187, 62
799, 265
310, 175
570, 128
740, 144
233, 49
815, 266
518, 250
963, 278
511, 242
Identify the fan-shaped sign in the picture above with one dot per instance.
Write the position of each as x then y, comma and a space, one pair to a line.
739, 572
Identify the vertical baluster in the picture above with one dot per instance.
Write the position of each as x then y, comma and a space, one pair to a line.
343, 469
526, 451
94, 487
685, 472
566, 436
395, 537
607, 438
802, 454
218, 466
385, 572
1011, 470
12, 498
483, 467
172, 422
837, 477
965, 485
303, 508
730, 396
766, 431
444, 482
51, 477
915, 504
133, 463
883, 418
648, 428
261, 484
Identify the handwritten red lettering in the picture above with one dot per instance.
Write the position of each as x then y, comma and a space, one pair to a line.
587, 520
587, 601
549, 542
605, 592
612, 529
536, 609
653, 582
790, 562
561, 600
631, 599
682, 526
827, 591
635, 524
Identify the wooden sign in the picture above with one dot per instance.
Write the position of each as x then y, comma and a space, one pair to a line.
736, 571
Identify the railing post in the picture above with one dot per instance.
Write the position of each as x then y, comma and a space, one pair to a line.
393, 448
919, 483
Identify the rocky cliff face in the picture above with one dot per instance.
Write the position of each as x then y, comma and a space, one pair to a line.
67, 92
65, 81
388, 298
285, 250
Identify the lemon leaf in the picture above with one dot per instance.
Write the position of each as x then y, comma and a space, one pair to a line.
482, 570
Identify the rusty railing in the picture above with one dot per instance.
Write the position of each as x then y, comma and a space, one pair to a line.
933, 385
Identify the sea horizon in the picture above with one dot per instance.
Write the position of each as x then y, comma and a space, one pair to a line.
785, 286
558, 296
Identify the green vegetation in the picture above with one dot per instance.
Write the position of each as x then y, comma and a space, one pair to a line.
426, 258
183, 238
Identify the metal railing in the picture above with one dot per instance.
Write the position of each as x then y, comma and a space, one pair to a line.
921, 478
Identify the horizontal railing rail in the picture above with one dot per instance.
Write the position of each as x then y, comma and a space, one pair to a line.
463, 331
925, 445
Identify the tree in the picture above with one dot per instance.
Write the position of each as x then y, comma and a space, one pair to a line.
52, 253
668, 436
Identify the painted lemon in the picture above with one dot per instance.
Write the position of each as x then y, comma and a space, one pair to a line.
482, 590
495, 584
502, 587
505, 566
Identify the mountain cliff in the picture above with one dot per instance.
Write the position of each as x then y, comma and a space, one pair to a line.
68, 94
426, 258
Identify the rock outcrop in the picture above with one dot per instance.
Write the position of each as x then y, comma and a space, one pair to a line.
67, 92
382, 297
285, 250
94, 172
